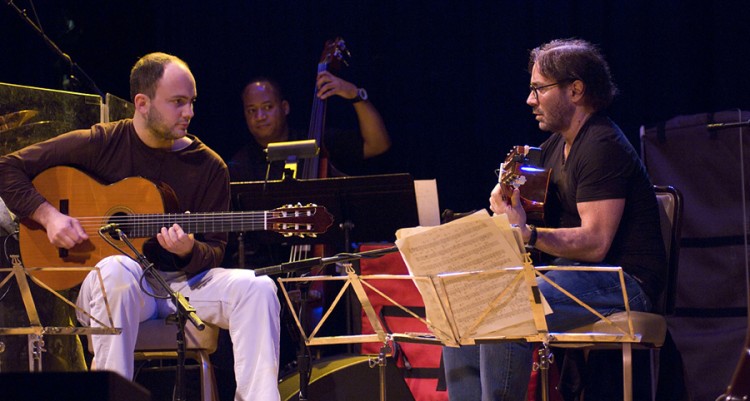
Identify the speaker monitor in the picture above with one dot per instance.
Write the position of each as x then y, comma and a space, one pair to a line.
348, 378
70, 386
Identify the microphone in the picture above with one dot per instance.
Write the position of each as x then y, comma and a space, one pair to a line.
111, 229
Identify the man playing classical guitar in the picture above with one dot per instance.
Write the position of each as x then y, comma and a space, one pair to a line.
155, 144
603, 208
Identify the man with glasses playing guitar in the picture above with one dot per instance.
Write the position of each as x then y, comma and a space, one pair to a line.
601, 208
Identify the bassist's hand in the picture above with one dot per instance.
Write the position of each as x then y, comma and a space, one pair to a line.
63, 231
329, 85
499, 204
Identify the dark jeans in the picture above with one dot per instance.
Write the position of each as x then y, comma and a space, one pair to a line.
501, 371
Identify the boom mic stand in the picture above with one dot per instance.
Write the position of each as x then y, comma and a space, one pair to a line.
184, 310
303, 357
74, 68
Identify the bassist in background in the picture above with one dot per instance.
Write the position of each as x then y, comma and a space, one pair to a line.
606, 213
155, 144
266, 112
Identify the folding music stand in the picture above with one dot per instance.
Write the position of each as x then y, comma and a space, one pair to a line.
35, 331
451, 326
365, 209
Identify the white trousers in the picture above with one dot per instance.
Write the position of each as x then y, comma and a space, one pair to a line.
232, 299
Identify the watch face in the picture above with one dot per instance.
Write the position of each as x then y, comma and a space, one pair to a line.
362, 93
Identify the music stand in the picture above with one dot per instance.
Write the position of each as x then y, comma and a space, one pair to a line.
350, 280
365, 208
446, 335
35, 331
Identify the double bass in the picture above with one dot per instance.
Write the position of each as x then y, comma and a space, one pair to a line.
334, 54
314, 167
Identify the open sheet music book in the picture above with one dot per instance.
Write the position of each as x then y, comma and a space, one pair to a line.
475, 278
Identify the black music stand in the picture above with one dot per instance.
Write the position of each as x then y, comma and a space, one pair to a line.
365, 209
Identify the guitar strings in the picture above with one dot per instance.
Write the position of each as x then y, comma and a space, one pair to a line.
220, 219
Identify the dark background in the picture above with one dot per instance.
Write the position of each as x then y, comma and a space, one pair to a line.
449, 78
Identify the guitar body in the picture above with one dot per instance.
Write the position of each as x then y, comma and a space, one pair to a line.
534, 195
78, 195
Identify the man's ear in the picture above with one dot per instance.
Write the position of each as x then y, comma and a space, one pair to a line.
577, 90
142, 103
285, 106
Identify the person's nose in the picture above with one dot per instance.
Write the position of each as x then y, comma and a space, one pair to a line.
531, 100
188, 111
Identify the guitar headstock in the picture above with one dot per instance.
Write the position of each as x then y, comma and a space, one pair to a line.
334, 54
519, 161
303, 221
520, 171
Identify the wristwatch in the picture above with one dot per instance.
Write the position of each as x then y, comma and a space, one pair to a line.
532, 239
361, 95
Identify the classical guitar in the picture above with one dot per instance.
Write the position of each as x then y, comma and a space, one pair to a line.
137, 206
518, 171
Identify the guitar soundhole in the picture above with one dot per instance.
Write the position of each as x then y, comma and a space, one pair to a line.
118, 221
63, 207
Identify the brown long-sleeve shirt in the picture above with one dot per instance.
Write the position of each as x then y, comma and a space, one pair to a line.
111, 152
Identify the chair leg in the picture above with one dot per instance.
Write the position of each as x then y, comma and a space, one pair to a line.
654, 368
209, 392
627, 371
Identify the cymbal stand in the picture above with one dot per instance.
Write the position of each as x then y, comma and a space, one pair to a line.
74, 68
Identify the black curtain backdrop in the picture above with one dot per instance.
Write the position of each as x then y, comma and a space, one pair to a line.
448, 77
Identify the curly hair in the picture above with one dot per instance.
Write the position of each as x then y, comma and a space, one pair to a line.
568, 60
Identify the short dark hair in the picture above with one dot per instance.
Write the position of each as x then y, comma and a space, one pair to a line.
275, 87
568, 60
147, 72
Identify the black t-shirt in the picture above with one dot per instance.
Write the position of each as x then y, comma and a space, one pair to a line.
602, 164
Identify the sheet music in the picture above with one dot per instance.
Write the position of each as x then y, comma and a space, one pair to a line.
485, 245
475, 242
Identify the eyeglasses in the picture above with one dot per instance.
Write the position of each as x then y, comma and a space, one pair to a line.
535, 89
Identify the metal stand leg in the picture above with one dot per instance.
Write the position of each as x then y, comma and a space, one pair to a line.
36, 347
546, 358
380, 361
